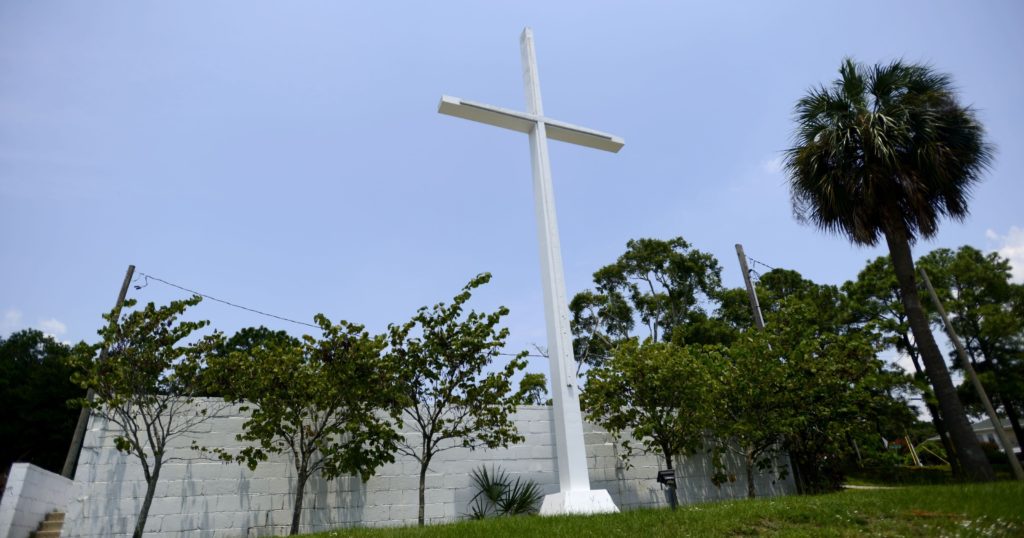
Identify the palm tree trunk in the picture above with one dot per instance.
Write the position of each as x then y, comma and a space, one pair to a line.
972, 459
940, 427
947, 445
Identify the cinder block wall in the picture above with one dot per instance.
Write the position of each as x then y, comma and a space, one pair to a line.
201, 497
30, 493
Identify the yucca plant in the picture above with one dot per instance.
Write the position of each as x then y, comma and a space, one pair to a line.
498, 495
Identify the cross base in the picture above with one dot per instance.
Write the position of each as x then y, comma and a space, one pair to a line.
594, 501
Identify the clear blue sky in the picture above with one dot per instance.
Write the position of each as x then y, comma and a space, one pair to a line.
289, 156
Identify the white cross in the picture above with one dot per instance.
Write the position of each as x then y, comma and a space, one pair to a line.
575, 495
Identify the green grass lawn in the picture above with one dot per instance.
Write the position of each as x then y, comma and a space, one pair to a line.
949, 510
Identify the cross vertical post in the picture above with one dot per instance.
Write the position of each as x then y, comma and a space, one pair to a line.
572, 474
575, 495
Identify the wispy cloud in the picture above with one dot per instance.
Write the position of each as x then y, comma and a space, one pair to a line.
10, 322
772, 166
13, 320
53, 327
1011, 247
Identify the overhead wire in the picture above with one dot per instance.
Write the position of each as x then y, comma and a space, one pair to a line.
222, 301
148, 277
754, 263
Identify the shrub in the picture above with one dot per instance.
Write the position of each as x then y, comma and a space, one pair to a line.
498, 495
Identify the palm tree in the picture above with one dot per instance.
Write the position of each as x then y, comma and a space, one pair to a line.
886, 151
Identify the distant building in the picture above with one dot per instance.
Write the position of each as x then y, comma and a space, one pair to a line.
987, 434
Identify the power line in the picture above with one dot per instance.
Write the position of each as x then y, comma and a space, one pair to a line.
527, 355
148, 277
756, 262
210, 297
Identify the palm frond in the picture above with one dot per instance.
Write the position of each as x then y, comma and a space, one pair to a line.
881, 148
498, 495
520, 498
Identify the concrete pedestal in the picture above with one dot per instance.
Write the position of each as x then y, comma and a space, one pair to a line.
595, 501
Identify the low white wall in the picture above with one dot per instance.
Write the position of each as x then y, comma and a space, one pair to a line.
200, 497
30, 493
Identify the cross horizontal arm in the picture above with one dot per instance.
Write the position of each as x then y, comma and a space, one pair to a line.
523, 122
582, 136
491, 115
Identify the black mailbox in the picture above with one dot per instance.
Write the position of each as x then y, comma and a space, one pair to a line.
667, 477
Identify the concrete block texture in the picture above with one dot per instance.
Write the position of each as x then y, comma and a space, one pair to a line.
199, 496
30, 493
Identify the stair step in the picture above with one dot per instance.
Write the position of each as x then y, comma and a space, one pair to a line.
50, 526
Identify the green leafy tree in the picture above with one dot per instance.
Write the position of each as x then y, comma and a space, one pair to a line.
147, 384
886, 152
779, 285
250, 338
441, 355
807, 388
657, 393
666, 285
599, 320
838, 391
752, 414
875, 298
734, 310
533, 390
324, 402
978, 295
35, 385
217, 380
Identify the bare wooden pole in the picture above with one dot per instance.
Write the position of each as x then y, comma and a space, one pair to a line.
83, 416
910, 447
997, 425
755, 306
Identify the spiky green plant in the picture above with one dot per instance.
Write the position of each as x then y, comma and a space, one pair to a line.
498, 495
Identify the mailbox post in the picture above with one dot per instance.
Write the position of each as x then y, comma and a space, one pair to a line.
668, 478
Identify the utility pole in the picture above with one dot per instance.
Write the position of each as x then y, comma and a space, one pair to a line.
83, 416
997, 425
755, 306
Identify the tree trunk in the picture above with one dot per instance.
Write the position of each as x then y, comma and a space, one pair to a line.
300, 487
1006, 403
140, 524
1011, 413
947, 445
423, 490
940, 427
673, 499
798, 477
972, 459
750, 474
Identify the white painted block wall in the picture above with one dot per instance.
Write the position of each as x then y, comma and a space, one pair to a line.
30, 493
201, 497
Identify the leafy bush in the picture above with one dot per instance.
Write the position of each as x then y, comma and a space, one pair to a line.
903, 475
498, 495
994, 454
